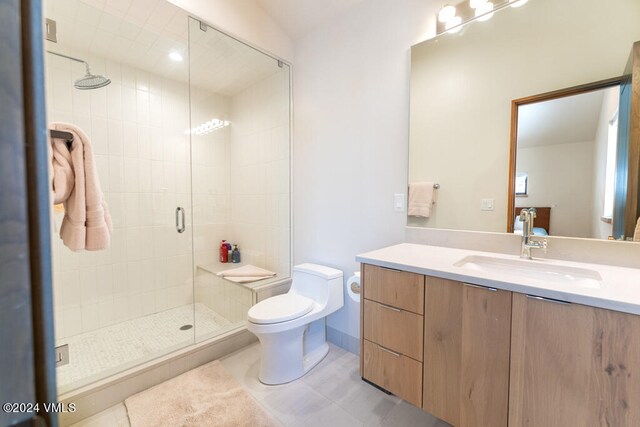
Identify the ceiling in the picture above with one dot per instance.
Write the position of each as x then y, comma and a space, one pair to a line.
298, 17
142, 33
560, 121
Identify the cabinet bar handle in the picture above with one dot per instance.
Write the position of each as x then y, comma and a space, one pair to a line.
487, 288
389, 351
388, 307
557, 301
180, 223
389, 268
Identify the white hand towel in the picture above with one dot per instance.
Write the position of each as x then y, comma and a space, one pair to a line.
87, 223
422, 197
248, 279
636, 233
246, 271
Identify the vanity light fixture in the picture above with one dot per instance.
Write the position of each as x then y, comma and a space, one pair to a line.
447, 13
474, 4
484, 11
451, 19
518, 3
453, 25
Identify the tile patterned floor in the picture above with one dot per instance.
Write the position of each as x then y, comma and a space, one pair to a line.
105, 351
332, 394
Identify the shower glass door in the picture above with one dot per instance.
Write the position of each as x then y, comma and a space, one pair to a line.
191, 142
133, 302
240, 163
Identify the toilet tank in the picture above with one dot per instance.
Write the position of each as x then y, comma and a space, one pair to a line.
315, 281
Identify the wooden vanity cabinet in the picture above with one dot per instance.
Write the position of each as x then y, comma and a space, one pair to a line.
476, 356
466, 353
573, 365
392, 329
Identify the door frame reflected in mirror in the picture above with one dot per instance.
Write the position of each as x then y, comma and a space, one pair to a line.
515, 104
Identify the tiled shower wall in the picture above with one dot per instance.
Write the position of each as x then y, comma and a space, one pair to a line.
260, 173
210, 169
254, 211
137, 126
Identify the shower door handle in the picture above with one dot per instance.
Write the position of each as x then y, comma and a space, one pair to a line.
180, 225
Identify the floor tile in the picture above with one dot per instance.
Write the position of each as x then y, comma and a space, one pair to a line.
331, 415
295, 402
331, 394
105, 418
407, 415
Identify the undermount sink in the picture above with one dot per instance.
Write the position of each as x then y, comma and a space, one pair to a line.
533, 270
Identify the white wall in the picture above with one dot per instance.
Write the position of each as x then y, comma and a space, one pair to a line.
351, 116
243, 19
599, 228
560, 176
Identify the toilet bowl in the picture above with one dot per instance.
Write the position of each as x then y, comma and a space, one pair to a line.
291, 327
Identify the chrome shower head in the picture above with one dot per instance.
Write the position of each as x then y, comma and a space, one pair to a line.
89, 81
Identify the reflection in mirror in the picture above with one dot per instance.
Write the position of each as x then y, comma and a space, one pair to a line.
462, 89
565, 161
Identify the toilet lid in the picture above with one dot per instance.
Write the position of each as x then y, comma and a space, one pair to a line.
280, 309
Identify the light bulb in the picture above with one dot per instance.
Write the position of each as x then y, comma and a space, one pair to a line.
446, 13
453, 22
482, 12
474, 4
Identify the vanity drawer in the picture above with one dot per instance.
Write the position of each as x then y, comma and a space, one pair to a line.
396, 288
401, 375
393, 328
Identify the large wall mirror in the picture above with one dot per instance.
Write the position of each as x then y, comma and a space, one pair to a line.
528, 110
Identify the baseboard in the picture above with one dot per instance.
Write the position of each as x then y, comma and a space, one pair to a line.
343, 340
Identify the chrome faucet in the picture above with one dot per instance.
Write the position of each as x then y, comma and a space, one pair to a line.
527, 216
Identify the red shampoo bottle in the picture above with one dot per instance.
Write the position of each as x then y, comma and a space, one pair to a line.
224, 253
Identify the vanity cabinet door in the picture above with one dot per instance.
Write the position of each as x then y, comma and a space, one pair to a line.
466, 353
394, 372
393, 328
573, 365
394, 288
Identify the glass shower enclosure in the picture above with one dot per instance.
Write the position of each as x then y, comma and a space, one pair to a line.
191, 141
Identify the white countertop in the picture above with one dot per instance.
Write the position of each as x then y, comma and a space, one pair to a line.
619, 290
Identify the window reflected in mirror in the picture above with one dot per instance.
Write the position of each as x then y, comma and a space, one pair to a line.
521, 184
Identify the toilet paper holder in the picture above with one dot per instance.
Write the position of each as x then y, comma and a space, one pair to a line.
354, 284
355, 287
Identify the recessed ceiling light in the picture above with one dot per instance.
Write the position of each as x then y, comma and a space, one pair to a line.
175, 56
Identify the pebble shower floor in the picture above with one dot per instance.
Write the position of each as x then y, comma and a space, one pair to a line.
105, 351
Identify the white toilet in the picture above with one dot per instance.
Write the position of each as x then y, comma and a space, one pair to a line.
291, 327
